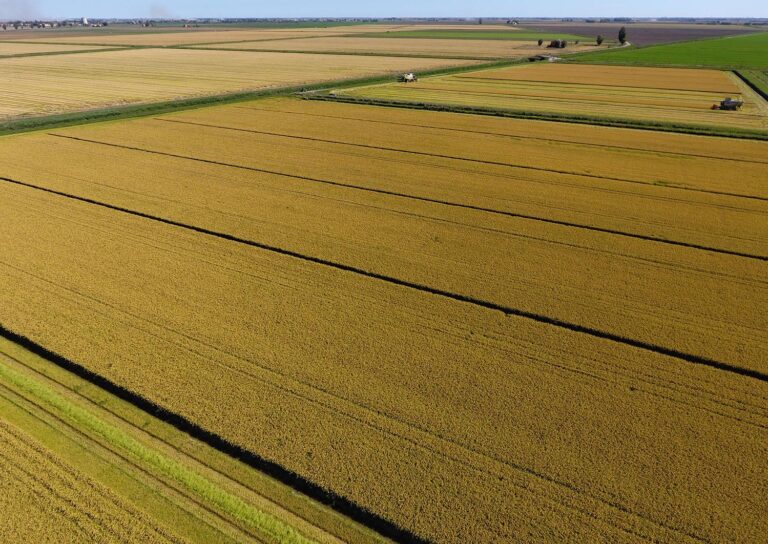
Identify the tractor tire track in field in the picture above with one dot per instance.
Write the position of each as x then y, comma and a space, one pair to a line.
648, 238
575, 327
507, 135
465, 159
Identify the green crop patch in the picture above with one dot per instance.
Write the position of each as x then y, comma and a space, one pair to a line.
748, 52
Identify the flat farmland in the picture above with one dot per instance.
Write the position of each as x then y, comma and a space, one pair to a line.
647, 33
747, 52
441, 250
64, 83
460, 48
9, 49
333, 374
195, 36
662, 95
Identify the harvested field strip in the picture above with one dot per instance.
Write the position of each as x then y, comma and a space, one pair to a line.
429, 154
660, 239
688, 357
676, 97
43, 85
628, 234
490, 132
46, 500
477, 49
405, 434
135, 451
615, 76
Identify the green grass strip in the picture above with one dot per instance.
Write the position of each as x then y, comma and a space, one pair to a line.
154, 460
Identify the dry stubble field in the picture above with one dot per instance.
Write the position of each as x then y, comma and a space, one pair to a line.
454, 420
66, 83
458, 48
669, 95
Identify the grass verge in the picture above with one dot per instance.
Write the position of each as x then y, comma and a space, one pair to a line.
147, 458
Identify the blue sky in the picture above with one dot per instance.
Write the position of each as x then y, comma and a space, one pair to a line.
10, 9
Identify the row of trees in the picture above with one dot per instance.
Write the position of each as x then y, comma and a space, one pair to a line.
599, 39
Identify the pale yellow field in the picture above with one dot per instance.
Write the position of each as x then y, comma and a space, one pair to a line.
682, 96
45, 500
62, 83
481, 49
9, 48
194, 36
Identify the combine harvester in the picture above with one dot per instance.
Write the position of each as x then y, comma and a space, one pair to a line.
729, 104
410, 77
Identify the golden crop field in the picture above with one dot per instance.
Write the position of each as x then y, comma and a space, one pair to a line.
466, 325
458, 48
474, 449
12, 48
46, 500
659, 290
671, 95
64, 83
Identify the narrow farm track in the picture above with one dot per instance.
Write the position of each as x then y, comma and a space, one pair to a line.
154, 336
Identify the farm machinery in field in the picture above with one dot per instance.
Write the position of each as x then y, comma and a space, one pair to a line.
410, 77
729, 104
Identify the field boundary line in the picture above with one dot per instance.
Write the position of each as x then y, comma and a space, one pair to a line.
506, 310
530, 217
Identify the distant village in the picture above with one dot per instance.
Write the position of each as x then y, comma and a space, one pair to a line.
189, 23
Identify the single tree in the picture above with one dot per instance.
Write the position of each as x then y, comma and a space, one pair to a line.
540, 42
623, 35
599, 40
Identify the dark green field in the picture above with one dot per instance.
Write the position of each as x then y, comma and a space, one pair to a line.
448, 34
749, 52
758, 78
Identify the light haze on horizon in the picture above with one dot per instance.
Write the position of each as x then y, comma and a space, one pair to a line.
58, 9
